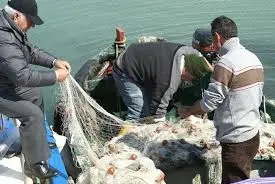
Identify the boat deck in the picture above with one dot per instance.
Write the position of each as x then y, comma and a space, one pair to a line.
11, 171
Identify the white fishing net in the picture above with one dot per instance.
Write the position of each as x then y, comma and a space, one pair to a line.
110, 150
87, 125
267, 142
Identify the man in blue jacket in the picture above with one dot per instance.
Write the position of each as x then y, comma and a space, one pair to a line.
20, 95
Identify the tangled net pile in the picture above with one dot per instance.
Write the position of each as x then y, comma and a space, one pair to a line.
138, 155
267, 142
140, 152
88, 128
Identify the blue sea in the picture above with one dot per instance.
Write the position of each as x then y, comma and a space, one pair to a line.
76, 30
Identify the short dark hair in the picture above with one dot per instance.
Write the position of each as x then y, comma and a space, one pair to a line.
225, 27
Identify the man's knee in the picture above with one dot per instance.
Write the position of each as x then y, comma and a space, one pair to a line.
31, 111
33, 95
37, 117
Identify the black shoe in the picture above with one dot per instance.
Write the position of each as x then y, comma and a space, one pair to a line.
40, 170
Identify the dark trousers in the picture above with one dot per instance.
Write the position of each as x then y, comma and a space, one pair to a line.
237, 159
27, 107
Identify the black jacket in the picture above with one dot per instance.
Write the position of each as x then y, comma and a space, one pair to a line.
16, 55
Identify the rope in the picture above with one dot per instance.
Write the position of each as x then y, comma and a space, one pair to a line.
264, 104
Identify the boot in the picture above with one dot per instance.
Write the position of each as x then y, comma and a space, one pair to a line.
40, 170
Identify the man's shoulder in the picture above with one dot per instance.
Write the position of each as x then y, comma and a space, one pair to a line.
239, 59
237, 55
188, 50
8, 45
6, 37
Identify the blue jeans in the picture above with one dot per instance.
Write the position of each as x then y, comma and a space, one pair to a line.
133, 95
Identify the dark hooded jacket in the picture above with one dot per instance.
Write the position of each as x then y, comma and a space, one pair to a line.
16, 57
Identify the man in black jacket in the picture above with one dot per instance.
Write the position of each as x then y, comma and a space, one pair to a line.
148, 74
20, 95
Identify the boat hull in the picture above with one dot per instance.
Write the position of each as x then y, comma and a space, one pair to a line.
55, 161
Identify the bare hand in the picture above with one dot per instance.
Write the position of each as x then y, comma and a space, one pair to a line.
60, 64
61, 74
210, 67
184, 112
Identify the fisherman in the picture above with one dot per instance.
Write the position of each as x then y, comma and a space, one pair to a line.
203, 42
20, 95
235, 92
189, 92
148, 74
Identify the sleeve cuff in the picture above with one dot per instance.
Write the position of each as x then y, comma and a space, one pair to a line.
159, 119
54, 61
204, 106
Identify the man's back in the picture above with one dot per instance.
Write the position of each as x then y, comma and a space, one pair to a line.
147, 63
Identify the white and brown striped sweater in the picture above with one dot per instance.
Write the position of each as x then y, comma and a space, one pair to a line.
235, 93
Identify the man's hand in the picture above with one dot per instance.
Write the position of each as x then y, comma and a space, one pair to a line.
210, 67
60, 64
184, 112
61, 74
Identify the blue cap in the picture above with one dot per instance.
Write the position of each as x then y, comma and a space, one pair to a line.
202, 37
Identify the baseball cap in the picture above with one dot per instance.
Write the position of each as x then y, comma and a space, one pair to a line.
202, 37
29, 8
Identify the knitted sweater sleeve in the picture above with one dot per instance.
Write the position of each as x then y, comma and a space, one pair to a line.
218, 88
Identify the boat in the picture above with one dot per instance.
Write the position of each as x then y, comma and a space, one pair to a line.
96, 79
11, 167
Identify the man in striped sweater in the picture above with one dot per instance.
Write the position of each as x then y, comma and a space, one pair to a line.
235, 93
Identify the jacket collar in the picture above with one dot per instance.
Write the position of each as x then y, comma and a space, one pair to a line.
230, 44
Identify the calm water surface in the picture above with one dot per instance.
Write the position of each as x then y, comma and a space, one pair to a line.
78, 30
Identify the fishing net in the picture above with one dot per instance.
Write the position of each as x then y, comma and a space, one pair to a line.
110, 150
267, 143
89, 127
